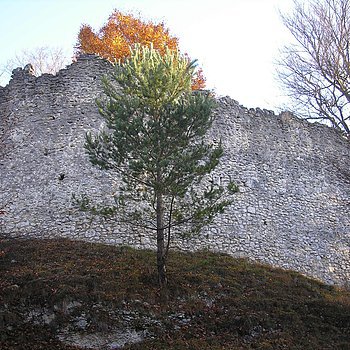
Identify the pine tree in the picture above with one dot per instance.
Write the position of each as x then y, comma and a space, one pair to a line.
155, 140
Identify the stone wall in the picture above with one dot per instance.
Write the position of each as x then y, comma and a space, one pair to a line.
293, 206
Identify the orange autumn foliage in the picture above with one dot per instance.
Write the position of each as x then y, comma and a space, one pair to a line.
121, 31
198, 81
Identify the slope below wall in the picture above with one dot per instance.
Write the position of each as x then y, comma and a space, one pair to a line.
293, 209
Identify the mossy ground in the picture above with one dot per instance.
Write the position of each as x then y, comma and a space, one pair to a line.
215, 301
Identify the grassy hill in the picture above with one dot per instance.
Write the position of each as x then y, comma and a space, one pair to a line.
61, 294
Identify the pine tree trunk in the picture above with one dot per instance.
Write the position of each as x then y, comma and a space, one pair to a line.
161, 251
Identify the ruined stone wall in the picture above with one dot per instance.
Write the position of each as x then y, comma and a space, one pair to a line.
293, 208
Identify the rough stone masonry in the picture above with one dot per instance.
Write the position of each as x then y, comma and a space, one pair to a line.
293, 206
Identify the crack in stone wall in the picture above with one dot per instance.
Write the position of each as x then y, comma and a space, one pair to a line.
293, 206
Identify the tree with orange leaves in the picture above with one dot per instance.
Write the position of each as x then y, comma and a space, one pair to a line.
114, 39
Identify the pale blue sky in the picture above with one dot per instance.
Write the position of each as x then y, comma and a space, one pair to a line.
235, 41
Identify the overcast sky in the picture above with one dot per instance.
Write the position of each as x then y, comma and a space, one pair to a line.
235, 41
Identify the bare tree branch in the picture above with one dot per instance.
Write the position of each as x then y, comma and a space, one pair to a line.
43, 59
315, 71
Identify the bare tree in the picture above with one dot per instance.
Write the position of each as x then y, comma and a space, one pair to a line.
43, 59
316, 69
